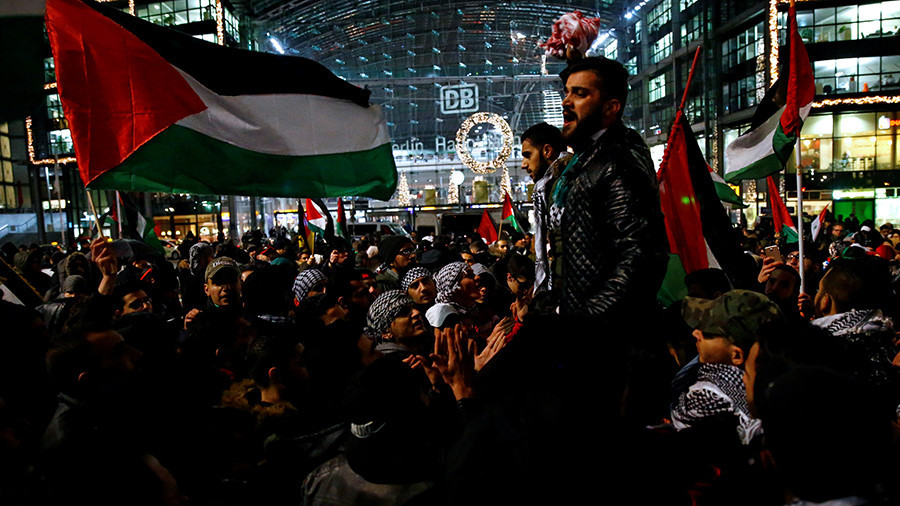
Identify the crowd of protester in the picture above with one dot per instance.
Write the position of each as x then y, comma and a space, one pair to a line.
423, 369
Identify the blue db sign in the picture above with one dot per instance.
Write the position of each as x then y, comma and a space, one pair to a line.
459, 98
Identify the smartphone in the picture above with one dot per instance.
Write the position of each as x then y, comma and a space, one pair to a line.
773, 253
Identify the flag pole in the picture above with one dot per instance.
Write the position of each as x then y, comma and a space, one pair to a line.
94, 212
799, 170
119, 213
677, 123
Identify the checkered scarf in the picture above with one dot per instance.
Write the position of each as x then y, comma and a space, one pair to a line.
305, 281
412, 275
448, 279
385, 308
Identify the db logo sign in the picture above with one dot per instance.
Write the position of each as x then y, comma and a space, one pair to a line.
459, 98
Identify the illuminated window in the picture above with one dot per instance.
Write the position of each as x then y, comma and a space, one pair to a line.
692, 29
611, 50
657, 87
746, 46
661, 48
659, 16
849, 22
857, 75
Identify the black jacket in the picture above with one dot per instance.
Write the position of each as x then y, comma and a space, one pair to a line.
616, 249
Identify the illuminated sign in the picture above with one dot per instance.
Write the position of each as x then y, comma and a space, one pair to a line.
853, 194
459, 98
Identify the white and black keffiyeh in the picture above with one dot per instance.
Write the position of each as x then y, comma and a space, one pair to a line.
385, 309
448, 279
719, 390
412, 275
305, 281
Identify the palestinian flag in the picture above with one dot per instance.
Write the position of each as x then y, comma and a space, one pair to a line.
818, 222
486, 228
724, 190
308, 237
509, 214
698, 227
21, 57
315, 218
768, 145
340, 226
152, 109
781, 218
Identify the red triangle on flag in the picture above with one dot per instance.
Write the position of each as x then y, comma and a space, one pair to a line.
117, 92
507, 207
486, 229
311, 212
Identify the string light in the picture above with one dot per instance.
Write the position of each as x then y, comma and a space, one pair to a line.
29, 135
505, 183
403, 190
50, 86
462, 148
773, 41
220, 23
453, 194
879, 99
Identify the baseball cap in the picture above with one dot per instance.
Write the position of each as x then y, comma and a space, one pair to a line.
220, 263
737, 315
438, 313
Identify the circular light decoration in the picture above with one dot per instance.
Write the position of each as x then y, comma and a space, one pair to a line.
457, 177
462, 149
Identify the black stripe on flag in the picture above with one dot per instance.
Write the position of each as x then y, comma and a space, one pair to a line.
231, 71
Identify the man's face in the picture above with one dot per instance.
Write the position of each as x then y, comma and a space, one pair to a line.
405, 257
713, 349
422, 290
517, 285
363, 294
407, 325
116, 358
137, 302
224, 289
533, 161
838, 231
582, 107
503, 246
468, 258
304, 257
469, 285
780, 285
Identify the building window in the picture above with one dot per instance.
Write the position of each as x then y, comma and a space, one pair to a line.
659, 16
849, 142
178, 12
661, 48
632, 66
55, 113
692, 29
741, 94
746, 46
637, 31
850, 22
857, 75
684, 4
611, 50
7, 188
657, 87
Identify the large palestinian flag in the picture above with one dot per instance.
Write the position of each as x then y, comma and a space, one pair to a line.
152, 109
768, 145
781, 218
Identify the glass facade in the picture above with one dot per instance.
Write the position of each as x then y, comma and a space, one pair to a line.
850, 22
850, 142
857, 75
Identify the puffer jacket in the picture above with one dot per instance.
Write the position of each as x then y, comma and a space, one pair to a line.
616, 248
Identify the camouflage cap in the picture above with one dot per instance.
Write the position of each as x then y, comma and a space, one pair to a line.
737, 315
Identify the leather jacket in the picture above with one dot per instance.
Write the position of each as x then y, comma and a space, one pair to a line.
616, 250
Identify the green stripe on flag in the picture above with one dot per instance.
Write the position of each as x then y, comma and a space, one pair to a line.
759, 169
174, 160
783, 145
673, 288
789, 234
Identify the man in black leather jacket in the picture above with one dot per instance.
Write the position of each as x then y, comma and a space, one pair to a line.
606, 201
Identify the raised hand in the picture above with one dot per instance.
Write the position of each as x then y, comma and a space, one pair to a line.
768, 266
495, 342
453, 357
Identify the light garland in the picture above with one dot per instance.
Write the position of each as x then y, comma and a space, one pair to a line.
403, 190
462, 136
47, 161
879, 99
50, 86
773, 41
453, 194
220, 23
131, 7
505, 183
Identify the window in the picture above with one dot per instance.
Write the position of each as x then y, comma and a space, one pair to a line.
178, 12
661, 48
849, 142
746, 46
692, 29
684, 4
637, 31
7, 187
849, 22
611, 50
55, 113
857, 75
741, 94
632, 66
657, 88
659, 16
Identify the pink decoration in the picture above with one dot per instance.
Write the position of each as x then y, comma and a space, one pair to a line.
571, 29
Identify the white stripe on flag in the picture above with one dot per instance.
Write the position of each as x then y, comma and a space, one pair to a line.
291, 125
753, 146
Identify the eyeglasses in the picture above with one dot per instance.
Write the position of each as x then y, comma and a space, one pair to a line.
793, 256
139, 303
406, 251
